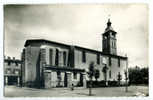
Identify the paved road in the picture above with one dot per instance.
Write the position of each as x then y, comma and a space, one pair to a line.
12, 91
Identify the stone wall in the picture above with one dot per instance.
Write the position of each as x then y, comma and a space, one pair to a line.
32, 66
53, 48
114, 68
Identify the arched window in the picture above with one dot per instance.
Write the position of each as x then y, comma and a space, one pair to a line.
110, 74
50, 56
56, 57
64, 57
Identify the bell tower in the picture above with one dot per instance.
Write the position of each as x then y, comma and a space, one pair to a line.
109, 40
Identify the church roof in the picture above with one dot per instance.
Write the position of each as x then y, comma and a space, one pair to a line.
109, 29
40, 42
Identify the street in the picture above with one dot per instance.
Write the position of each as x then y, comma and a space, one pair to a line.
13, 91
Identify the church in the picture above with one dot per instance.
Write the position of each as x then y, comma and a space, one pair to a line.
48, 64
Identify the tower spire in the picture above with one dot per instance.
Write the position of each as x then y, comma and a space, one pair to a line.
109, 23
109, 39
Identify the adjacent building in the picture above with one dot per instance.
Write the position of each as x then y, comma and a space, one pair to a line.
12, 71
51, 64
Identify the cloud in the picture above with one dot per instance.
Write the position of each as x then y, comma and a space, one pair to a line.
79, 24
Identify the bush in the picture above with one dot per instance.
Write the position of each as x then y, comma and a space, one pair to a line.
112, 83
96, 84
138, 75
102, 83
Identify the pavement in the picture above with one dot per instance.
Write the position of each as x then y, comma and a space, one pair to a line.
13, 91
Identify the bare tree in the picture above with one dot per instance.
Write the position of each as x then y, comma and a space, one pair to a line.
97, 74
126, 79
119, 78
104, 70
91, 75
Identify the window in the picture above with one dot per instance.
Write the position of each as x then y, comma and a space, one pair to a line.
64, 57
110, 74
83, 56
8, 71
16, 63
106, 44
75, 75
118, 62
56, 57
50, 56
58, 75
43, 55
98, 58
9, 63
110, 62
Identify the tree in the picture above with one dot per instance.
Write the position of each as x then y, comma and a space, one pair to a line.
145, 75
119, 78
59, 78
91, 74
97, 74
104, 70
138, 75
126, 79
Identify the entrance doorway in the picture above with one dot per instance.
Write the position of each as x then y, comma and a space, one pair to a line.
81, 80
65, 80
12, 80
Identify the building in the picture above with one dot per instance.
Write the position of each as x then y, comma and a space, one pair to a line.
12, 71
52, 64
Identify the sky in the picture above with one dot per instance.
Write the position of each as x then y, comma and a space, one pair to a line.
79, 24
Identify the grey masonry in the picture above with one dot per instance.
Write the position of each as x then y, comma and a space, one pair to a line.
51, 64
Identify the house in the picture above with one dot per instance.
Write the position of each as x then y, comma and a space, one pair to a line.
12, 71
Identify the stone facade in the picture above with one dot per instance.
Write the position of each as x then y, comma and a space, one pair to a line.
115, 64
50, 64
12, 71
